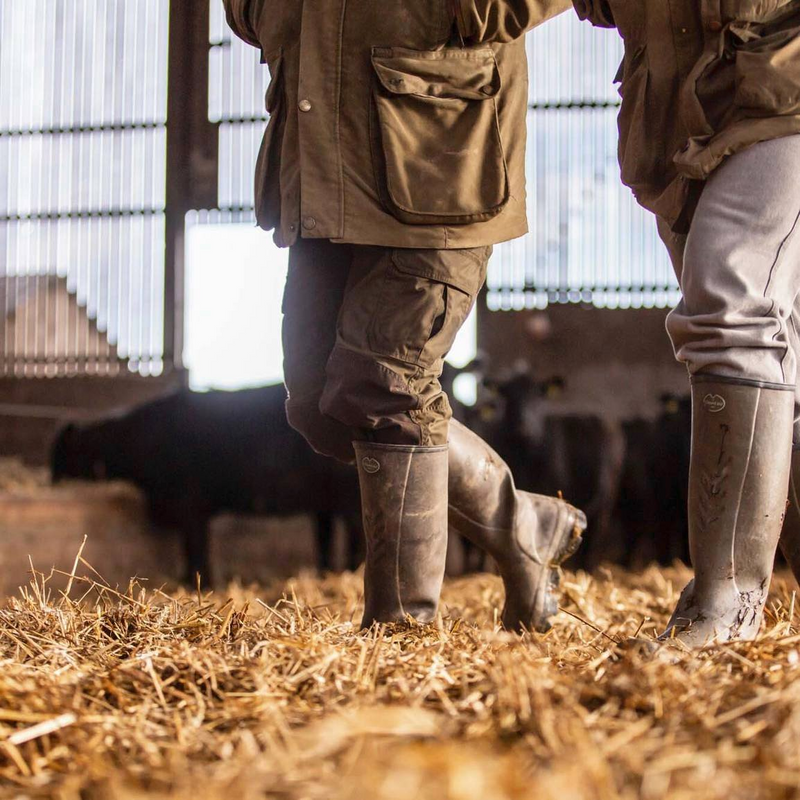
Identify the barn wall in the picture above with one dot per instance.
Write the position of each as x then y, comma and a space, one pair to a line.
32, 410
615, 362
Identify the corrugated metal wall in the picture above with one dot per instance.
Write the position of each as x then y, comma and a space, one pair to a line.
588, 241
83, 98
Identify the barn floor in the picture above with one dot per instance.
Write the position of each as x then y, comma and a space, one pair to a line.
142, 695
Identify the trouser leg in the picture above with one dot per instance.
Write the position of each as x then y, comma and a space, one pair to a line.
399, 317
318, 272
399, 313
381, 344
740, 274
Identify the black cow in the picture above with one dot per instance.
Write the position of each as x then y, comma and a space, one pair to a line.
551, 452
654, 487
196, 455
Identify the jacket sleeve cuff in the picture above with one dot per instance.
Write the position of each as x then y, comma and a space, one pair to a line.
237, 15
598, 12
463, 18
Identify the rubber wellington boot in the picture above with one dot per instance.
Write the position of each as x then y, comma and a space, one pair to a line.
528, 535
790, 536
404, 505
739, 473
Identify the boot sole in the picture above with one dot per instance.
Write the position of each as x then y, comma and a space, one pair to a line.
565, 544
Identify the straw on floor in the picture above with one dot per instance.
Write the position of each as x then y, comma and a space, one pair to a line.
276, 694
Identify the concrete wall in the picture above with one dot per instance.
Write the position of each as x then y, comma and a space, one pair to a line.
615, 362
33, 409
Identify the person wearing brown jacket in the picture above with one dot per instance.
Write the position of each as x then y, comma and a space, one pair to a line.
710, 143
393, 160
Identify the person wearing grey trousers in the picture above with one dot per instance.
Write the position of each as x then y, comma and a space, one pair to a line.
737, 328
710, 143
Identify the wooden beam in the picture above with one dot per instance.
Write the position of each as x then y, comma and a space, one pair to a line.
192, 153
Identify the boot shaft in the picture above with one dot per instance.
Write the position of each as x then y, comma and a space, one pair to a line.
741, 450
738, 480
404, 507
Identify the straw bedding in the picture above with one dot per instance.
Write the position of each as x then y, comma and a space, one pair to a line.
275, 693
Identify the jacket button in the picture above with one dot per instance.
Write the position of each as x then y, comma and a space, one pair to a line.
309, 223
304, 105
488, 89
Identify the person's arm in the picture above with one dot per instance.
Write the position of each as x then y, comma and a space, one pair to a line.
482, 21
241, 16
598, 12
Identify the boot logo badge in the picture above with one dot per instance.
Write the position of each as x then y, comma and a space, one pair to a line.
714, 403
371, 465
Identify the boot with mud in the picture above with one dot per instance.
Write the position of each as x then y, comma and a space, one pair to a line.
741, 453
528, 535
404, 506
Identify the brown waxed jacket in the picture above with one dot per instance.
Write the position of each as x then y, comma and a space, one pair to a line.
701, 80
399, 124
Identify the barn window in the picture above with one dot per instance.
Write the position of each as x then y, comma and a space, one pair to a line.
83, 104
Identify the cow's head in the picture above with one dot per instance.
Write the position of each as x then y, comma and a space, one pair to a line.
519, 402
73, 455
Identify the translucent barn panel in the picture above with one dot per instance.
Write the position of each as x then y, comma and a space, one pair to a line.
589, 241
238, 151
238, 82
72, 173
82, 63
572, 62
83, 96
109, 272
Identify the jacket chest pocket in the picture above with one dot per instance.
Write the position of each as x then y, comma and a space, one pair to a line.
437, 149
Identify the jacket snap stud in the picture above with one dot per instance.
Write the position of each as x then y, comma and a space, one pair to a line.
304, 105
488, 89
371, 465
714, 403
309, 223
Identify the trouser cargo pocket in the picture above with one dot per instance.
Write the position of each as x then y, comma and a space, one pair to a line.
423, 299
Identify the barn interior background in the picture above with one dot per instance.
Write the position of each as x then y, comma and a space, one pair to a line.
130, 267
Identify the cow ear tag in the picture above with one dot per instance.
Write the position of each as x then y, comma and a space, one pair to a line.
371, 465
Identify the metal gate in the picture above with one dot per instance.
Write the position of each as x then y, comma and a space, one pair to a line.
83, 109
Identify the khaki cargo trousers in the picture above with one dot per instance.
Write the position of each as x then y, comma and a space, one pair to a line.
739, 272
365, 333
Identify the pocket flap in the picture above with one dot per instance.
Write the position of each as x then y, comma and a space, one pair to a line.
463, 269
469, 74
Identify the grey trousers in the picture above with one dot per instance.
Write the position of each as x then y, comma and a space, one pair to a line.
739, 272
